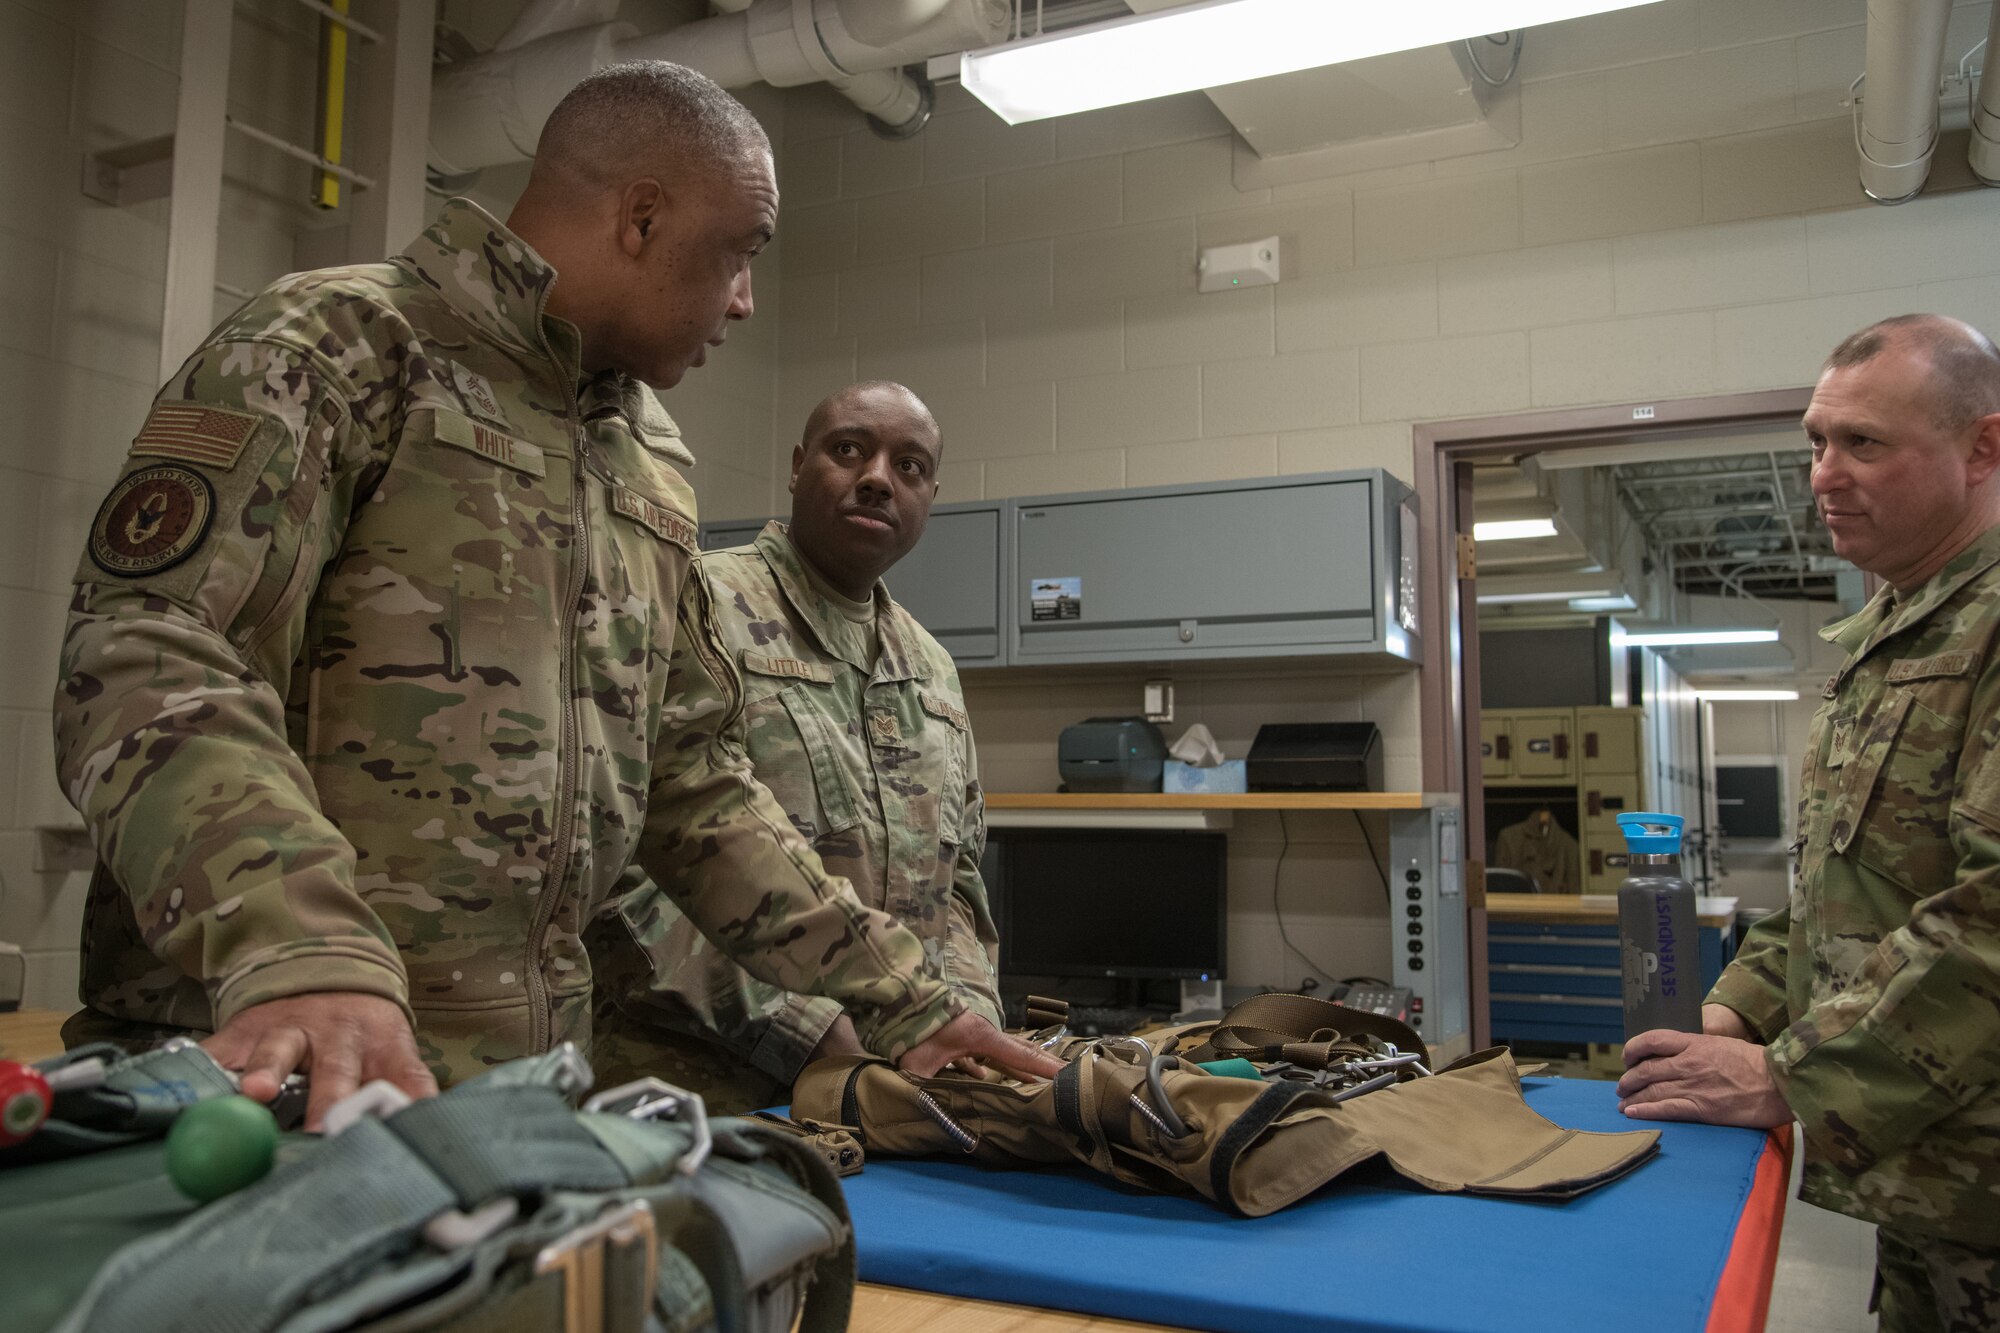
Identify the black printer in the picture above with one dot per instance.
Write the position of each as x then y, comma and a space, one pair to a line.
1316, 756
1111, 754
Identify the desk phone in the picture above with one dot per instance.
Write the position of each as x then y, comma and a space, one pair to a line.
1390, 1001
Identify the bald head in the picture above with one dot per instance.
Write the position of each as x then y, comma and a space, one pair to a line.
1964, 383
651, 194
643, 118
836, 405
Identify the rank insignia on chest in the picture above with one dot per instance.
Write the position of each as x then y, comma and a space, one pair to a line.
479, 395
882, 729
152, 520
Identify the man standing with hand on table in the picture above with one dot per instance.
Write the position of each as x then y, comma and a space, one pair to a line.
1869, 1008
364, 688
852, 715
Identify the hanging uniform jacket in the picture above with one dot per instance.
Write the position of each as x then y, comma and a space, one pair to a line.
366, 685
869, 750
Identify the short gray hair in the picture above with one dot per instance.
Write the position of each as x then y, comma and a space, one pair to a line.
1965, 365
646, 114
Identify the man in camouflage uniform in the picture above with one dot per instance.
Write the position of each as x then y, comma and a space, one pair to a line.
1875, 994
364, 693
852, 715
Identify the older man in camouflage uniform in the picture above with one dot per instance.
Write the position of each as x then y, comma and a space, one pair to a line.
851, 713
364, 692
1870, 1007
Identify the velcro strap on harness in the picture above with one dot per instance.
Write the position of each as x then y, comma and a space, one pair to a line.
302, 1233
487, 1141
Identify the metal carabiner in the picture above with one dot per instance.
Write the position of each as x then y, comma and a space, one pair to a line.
656, 1099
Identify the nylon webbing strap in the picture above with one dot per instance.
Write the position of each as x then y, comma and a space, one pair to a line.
302, 1233
486, 1141
1303, 1030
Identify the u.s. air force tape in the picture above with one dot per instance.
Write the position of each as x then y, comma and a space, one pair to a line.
152, 520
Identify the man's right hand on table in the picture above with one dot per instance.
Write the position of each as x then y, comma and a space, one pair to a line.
342, 1039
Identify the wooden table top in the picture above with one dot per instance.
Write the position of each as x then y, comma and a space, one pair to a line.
35, 1034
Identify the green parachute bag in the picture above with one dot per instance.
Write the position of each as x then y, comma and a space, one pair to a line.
498, 1207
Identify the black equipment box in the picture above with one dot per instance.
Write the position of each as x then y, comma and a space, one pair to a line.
1316, 756
1111, 754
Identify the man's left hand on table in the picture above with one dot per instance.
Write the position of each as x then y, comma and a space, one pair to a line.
1686, 1076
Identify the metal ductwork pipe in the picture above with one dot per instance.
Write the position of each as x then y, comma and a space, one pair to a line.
491, 109
1984, 152
1898, 128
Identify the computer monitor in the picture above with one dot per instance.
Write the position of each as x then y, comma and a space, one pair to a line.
1109, 902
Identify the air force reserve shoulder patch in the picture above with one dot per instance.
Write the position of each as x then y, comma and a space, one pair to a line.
152, 520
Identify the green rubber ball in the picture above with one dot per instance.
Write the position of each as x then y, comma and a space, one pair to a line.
218, 1146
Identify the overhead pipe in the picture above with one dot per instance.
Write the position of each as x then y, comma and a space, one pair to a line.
491, 109
1897, 129
1984, 151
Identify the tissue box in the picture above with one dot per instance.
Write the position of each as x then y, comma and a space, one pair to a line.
1231, 775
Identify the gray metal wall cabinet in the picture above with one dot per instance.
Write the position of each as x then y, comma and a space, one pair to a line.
1317, 565
954, 583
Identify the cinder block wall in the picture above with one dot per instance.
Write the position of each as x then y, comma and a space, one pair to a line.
1036, 284
81, 290
1648, 240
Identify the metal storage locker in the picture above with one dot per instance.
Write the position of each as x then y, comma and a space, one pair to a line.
1287, 566
953, 582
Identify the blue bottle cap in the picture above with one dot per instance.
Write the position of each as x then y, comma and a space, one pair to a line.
1652, 834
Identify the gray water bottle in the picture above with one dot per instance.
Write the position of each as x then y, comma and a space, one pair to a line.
1658, 947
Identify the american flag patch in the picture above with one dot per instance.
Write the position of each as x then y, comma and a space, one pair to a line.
196, 433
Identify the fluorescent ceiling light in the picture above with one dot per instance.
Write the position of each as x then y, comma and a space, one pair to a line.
1697, 638
1619, 603
1746, 696
1216, 42
1513, 529
1559, 595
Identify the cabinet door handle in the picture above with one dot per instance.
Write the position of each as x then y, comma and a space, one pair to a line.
1503, 747
1590, 745
1595, 800
1562, 745
1596, 862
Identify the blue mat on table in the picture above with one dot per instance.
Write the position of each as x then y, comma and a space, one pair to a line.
1372, 1252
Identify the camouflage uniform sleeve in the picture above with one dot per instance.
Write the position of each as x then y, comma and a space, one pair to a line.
1916, 1036
719, 843
170, 719
971, 942
1754, 982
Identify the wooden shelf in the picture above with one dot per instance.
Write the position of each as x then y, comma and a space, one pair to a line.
1255, 800
1592, 909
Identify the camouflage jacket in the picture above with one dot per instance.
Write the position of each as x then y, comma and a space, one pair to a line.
1877, 988
365, 681
874, 766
